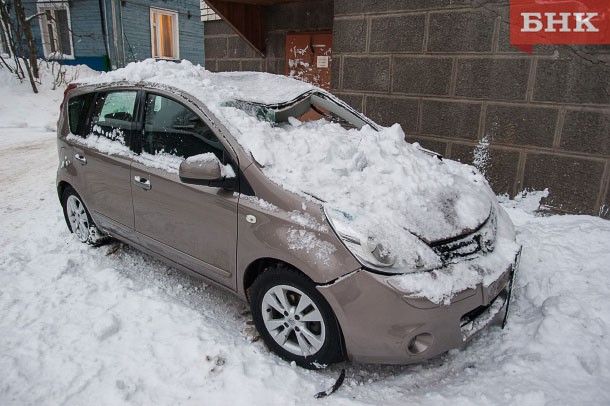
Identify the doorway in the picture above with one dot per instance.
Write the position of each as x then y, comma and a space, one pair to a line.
309, 57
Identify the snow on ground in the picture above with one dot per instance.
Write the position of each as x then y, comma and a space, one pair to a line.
109, 325
18, 107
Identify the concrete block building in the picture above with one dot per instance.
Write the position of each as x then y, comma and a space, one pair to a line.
444, 70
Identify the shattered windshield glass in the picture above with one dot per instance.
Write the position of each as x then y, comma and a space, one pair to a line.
309, 106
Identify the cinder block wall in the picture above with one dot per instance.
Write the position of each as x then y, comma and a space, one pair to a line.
226, 51
445, 71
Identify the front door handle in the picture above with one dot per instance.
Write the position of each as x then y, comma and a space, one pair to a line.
142, 182
80, 158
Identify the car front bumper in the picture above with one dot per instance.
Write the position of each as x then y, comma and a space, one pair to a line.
385, 324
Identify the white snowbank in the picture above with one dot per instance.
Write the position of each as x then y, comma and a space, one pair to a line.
116, 326
19, 109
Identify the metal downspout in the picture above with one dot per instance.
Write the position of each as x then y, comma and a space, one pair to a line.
115, 33
102, 6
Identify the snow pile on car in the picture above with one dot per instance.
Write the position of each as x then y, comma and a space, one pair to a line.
389, 190
212, 88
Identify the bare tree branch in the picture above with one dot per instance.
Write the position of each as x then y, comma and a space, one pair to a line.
27, 31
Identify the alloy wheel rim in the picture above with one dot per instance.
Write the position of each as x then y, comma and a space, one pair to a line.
77, 215
293, 320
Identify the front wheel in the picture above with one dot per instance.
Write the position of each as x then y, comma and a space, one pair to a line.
78, 219
294, 319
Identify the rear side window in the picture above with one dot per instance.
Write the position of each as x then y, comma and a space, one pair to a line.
78, 108
113, 115
116, 106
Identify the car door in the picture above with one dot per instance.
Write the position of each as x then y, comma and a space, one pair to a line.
104, 159
193, 225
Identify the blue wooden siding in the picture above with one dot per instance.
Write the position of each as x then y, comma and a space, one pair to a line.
137, 36
132, 27
87, 38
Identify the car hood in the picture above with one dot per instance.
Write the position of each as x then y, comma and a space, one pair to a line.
433, 214
384, 189
450, 213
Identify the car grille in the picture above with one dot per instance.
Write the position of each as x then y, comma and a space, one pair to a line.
481, 240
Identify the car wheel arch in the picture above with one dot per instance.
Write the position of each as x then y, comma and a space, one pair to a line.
255, 296
260, 265
257, 267
61, 186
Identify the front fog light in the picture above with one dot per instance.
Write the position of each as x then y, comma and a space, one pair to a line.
420, 343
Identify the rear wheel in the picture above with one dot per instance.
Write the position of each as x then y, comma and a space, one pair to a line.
294, 319
78, 219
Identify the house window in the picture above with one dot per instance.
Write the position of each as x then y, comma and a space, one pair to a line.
207, 14
4, 38
164, 34
56, 31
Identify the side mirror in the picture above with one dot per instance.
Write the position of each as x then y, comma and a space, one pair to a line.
207, 170
200, 171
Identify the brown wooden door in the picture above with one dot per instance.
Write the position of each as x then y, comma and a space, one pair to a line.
309, 57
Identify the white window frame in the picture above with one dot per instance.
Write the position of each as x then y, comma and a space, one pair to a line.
207, 14
155, 30
44, 24
5, 34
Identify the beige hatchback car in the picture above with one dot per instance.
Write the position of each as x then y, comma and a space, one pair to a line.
348, 242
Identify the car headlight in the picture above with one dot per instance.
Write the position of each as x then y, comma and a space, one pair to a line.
373, 254
365, 249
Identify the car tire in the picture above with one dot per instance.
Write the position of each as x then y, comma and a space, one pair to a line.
79, 220
294, 319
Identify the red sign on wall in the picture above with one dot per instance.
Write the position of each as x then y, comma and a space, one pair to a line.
559, 22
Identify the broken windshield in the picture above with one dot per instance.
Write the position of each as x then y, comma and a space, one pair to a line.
309, 106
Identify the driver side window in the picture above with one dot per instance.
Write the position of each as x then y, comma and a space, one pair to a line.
173, 128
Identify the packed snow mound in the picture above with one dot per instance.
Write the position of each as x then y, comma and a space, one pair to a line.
389, 189
211, 88
21, 108
441, 285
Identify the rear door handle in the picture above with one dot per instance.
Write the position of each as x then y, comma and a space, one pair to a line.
80, 158
141, 182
